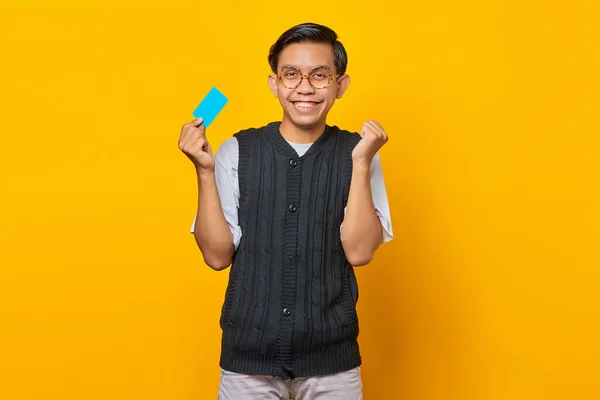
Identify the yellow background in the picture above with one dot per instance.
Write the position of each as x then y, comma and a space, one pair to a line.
490, 287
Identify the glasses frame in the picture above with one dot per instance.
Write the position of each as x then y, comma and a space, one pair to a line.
302, 76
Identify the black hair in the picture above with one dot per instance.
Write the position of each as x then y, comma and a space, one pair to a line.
310, 32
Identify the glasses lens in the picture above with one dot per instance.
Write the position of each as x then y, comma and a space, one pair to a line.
319, 77
290, 77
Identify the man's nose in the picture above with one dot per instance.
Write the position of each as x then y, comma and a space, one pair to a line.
305, 87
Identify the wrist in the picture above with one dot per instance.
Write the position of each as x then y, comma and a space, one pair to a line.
361, 163
205, 174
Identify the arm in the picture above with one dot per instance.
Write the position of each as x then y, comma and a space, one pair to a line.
362, 232
211, 231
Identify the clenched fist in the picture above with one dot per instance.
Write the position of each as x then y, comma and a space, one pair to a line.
194, 145
373, 137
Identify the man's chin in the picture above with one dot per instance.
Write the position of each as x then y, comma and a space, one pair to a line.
307, 126
306, 122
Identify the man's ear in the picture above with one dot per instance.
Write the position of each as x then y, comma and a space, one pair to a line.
273, 84
342, 85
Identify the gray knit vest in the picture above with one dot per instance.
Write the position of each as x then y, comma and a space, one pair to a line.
290, 305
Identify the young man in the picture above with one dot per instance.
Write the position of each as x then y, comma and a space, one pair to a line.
292, 206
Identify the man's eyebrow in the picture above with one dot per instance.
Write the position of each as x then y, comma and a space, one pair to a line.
295, 66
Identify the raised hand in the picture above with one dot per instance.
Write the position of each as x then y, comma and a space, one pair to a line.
373, 138
193, 143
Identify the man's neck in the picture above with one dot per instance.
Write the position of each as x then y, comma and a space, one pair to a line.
300, 135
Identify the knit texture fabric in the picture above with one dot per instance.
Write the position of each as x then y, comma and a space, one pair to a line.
290, 305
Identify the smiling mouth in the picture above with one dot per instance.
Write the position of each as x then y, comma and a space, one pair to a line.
305, 104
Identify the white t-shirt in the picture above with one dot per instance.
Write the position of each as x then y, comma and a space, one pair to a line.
226, 176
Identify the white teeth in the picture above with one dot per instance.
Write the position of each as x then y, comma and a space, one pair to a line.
300, 104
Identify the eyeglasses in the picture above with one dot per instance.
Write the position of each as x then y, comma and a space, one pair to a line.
318, 77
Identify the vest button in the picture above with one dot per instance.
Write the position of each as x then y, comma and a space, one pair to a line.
287, 312
293, 163
292, 208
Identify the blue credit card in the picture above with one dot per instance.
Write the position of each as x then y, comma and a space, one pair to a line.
210, 106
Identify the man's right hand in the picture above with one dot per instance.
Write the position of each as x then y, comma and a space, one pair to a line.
193, 143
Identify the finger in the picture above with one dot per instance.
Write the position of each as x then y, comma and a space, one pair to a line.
187, 135
377, 129
199, 140
377, 124
368, 131
192, 123
202, 144
191, 136
184, 139
194, 132
374, 125
186, 130
198, 121
196, 147
200, 130
380, 128
195, 122
371, 125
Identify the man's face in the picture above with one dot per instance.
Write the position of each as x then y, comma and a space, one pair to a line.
305, 106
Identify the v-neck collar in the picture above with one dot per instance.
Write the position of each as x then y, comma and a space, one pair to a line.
282, 145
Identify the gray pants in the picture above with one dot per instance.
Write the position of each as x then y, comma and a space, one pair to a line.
345, 385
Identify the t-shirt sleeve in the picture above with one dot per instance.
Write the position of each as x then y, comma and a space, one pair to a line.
380, 199
227, 186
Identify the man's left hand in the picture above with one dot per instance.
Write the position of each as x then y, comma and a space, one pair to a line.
373, 138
